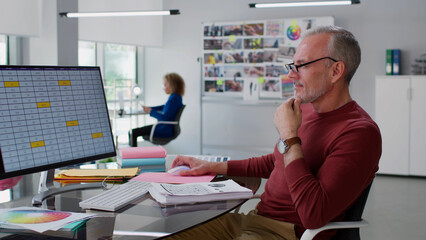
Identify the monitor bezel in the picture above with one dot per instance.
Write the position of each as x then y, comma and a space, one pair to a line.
4, 175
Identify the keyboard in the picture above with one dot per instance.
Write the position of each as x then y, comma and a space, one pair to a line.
210, 158
117, 197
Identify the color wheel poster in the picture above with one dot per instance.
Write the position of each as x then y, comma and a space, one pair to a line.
37, 219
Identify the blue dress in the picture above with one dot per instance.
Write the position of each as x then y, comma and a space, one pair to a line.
166, 112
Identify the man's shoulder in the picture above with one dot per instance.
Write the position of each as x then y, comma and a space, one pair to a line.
362, 115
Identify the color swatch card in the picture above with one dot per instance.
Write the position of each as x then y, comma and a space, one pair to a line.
38, 219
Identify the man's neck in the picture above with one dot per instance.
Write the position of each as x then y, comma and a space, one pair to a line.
332, 101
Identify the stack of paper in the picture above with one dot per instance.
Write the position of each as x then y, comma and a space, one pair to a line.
171, 194
94, 175
148, 159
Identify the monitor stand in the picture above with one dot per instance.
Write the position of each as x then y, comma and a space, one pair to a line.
47, 189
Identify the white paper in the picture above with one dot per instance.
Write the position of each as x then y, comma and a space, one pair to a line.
169, 194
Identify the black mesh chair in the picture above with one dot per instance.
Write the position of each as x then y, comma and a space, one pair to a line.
348, 229
176, 130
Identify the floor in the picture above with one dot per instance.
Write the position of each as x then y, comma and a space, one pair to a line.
396, 209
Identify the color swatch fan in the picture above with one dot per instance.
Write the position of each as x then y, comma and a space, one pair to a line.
37, 219
32, 216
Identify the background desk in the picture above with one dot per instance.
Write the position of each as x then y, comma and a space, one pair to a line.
143, 216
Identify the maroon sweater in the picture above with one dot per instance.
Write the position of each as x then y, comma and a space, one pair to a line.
341, 152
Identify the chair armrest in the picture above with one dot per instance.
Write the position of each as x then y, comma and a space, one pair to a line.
151, 135
309, 234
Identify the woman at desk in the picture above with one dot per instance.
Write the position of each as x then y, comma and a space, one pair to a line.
175, 86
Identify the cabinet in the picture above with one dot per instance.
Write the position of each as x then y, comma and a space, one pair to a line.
400, 112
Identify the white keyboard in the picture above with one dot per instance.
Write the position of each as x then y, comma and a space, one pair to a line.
117, 197
210, 158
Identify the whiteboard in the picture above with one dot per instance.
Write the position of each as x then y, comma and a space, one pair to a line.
245, 59
244, 80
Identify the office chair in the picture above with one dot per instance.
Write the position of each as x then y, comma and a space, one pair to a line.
176, 130
348, 228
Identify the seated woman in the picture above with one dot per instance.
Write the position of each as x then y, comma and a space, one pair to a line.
175, 86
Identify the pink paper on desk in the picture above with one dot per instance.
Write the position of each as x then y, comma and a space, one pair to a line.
161, 177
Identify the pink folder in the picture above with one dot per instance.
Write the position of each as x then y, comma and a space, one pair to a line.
142, 152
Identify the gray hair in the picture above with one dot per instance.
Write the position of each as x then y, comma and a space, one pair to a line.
342, 46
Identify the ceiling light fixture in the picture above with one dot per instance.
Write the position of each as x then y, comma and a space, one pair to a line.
119, 14
303, 4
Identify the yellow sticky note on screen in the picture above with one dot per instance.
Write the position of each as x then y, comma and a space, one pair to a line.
260, 80
219, 81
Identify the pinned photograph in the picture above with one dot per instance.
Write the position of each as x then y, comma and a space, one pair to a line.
234, 71
253, 43
236, 30
273, 42
271, 85
295, 29
254, 57
254, 71
275, 28
253, 29
213, 71
213, 44
234, 57
231, 45
212, 30
251, 90
287, 86
212, 87
275, 71
213, 58
234, 85
270, 56
285, 54
271, 88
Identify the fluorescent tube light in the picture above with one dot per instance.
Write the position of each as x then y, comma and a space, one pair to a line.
303, 4
120, 14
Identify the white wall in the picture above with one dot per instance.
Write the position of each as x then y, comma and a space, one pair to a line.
378, 25
20, 17
142, 31
57, 42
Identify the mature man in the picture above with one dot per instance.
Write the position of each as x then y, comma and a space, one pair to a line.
327, 153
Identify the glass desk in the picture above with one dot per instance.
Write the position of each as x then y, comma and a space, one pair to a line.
140, 220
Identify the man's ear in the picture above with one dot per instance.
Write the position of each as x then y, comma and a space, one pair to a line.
338, 71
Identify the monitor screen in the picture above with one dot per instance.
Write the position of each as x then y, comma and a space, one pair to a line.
51, 117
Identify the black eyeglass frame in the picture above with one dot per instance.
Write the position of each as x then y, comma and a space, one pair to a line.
295, 68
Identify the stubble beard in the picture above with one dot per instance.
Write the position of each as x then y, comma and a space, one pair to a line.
312, 94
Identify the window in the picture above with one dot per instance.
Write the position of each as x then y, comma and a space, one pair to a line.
119, 68
3, 50
86, 53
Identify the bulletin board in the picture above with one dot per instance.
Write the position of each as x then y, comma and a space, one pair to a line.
246, 59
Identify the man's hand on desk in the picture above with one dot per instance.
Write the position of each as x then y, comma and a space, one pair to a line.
199, 167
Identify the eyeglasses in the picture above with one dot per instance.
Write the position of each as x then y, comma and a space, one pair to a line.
295, 68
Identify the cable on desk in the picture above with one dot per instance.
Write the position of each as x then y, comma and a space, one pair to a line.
105, 184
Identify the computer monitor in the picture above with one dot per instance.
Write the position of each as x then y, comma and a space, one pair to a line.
51, 117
